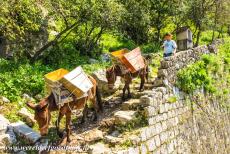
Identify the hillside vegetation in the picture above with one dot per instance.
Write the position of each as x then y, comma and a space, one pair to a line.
37, 37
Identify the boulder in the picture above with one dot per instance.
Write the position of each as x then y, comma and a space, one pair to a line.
27, 116
24, 131
4, 124
100, 77
123, 117
4, 99
93, 135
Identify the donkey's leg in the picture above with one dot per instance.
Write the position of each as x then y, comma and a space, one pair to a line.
142, 82
60, 134
96, 108
85, 112
129, 93
124, 89
68, 129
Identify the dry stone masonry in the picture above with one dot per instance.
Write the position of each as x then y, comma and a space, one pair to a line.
179, 126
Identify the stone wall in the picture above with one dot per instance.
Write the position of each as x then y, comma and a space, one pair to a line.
175, 124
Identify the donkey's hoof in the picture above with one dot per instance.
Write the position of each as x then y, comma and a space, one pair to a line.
60, 134
68, 140
82, 121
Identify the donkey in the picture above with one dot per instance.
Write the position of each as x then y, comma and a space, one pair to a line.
47, 105
116, 70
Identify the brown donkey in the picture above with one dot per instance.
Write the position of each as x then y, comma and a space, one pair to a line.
116, 70
46, 106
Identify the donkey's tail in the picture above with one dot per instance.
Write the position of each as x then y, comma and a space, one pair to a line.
99, 100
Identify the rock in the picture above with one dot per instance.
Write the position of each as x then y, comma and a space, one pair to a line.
100, 77
38, 97
5, 139
4, 99
134, 139
115, 133
99, 148
4, 124
92, 61
11, 134
158, 82
105, 57
24, 131
25, 114
130, 104
27, 97
43, 143
123, 117
112, 140
93, 135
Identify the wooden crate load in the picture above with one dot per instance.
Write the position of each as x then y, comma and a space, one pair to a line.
53, 84
77, 82
65, 85
132, 60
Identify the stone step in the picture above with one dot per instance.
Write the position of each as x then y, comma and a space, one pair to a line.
24, 131
112, 140
99, 148
123, 117
131, 104
93, 135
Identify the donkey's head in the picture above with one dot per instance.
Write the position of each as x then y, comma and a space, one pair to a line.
42, 115
111, 76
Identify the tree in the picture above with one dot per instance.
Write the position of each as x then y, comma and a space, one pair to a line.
198, 15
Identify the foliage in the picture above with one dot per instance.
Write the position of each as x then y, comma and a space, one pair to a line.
18, 78
211, 72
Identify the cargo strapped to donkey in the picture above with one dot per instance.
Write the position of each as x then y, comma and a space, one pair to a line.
68, 86
129, 61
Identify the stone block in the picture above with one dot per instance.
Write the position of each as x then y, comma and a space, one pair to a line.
150, 111
146, 101
158, 128
144, 149
131, 104
163, 137
123, 117
151, 145
133, 150
24, 131
157, 140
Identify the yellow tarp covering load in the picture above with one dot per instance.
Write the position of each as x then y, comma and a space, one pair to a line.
52, 79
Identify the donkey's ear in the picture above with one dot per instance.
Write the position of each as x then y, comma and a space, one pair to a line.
44, 106
31, 105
